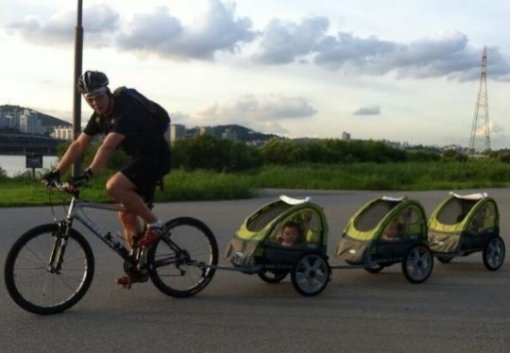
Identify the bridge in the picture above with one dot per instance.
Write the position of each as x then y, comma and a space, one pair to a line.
18, 143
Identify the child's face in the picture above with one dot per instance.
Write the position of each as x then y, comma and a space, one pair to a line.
392, 230
289, 235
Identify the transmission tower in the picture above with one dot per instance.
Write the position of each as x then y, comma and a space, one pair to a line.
480, 132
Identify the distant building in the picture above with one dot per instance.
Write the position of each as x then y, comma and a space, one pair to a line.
29, 122
177, 132
62, 133
5, 122
346, 136
9, 117
210, 130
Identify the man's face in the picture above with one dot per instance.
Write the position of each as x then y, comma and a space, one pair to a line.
100, 102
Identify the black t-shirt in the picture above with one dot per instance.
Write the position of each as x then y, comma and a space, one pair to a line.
133, 121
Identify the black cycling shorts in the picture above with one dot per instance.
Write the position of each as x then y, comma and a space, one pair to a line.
145, 172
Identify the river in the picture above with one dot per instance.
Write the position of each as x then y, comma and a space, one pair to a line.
15, 164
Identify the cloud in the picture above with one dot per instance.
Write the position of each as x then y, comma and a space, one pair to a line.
498, 66
271, 127
252, 110
99, 21
160, 33
368, 110
282, 41
157, 32
497, 136
178, 117
446, 54
349, 50
218, 29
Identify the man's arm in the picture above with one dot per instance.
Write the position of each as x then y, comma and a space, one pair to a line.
104, 152
75, 150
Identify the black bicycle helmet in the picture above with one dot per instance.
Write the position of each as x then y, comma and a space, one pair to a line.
92, 81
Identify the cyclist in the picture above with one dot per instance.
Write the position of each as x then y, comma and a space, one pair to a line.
125, 124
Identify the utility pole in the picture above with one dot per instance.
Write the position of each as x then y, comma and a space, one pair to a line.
480, 132
78, 55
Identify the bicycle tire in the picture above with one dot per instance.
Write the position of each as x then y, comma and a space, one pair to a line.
33, 286
183, 261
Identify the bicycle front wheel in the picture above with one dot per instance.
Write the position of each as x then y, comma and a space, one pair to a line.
184, 260
44, 286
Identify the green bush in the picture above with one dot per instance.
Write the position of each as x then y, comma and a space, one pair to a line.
452, 156
504, 157
208, 152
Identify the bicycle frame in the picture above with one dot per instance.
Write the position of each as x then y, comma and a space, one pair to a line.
76, 212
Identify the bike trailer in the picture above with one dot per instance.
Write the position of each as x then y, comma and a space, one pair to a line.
463, 224
256, 241
383, 231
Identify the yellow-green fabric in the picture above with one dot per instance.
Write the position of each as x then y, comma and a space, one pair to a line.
482, 215
269, 218
385, 212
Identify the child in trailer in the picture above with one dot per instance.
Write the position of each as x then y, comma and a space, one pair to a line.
289, 234
392, 231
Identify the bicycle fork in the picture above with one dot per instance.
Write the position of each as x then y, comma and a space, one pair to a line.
59, 247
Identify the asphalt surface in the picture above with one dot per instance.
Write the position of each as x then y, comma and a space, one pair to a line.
462, 307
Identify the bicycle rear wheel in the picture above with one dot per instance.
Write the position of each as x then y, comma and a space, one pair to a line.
41, 286
184, 260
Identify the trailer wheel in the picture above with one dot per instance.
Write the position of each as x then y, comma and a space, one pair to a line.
418, 264
311, 275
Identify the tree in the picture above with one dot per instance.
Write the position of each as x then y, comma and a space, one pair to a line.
207, 152
281, 151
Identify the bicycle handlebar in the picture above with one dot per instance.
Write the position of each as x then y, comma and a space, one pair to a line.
63, 187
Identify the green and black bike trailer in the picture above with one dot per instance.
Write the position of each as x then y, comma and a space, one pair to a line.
463, 224
388, 230
255, 247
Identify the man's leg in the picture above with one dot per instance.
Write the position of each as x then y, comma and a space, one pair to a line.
132, 227
124, 191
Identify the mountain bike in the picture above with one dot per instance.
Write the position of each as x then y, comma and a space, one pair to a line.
50, 267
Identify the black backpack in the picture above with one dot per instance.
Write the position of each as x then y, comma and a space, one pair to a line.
159, 115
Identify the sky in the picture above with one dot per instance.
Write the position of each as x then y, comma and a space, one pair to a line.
400, 70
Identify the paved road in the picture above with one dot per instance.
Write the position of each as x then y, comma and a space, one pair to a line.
461, 308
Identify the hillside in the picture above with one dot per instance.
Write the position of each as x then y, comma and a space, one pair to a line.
242, 133
46, 120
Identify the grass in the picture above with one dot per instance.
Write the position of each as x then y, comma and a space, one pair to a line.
388, 176
179, 186
207, 185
